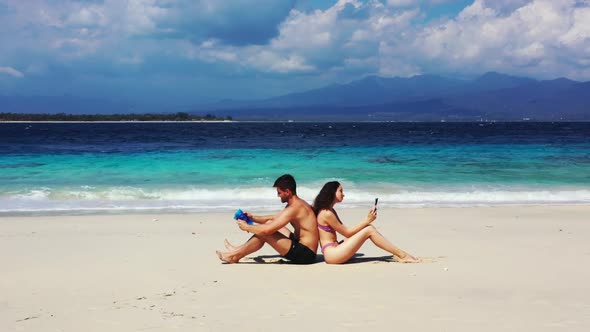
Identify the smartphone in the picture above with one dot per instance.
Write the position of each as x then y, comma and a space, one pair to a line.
376, 200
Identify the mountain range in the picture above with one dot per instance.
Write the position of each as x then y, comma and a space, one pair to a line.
490, 97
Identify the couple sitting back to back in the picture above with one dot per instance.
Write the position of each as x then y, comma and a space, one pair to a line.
300, 246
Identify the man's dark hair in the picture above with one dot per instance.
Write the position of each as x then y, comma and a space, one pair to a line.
286, 181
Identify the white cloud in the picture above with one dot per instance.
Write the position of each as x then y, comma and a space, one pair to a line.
141, 16
264, 60
351, 39
87, 16
131, 60
401, 3
579, 32
541, 38
75, 47
349, 33
304, 31
505, 6
11, 71
290, 63
475, 11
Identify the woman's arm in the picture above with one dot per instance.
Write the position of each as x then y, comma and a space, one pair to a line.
331, 218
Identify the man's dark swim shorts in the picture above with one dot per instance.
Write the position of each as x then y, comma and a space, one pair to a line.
300, 254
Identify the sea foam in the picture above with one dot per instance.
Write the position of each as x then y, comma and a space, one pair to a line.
264, 199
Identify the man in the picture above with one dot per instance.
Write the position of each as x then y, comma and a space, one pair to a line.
298, 247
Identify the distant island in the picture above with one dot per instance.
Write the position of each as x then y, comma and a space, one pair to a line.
424, 98
180, 116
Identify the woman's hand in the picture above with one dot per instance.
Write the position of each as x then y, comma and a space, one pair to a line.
371, 216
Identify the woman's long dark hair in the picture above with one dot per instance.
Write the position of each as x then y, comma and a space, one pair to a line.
326, 197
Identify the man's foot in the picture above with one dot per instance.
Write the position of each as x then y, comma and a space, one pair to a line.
229, 246
407, 258
226, 257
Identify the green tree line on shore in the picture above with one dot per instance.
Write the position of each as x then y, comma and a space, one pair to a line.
180, 116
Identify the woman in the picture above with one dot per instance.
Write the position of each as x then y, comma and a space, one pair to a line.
329, 224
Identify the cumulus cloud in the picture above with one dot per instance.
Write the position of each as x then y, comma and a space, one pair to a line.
237, 22
349, 33
503, 7
530, 40
11, 71
87, 16
400, 3
137, 39
540, 38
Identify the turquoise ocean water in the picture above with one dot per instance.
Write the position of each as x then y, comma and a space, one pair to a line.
96, 168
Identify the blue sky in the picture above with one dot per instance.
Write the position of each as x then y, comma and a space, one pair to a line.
191, 51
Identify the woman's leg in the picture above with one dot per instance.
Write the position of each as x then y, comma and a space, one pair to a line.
381, 242
343, 252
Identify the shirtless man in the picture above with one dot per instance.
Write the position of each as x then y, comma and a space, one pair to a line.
298, 247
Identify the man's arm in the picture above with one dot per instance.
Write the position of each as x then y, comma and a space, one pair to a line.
259, 219
277, 222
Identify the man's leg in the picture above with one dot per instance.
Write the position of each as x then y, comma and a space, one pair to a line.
285, 231
280, 242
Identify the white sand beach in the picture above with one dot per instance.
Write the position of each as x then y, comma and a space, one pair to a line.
485, 269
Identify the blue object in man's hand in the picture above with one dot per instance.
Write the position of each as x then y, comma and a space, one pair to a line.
242, 216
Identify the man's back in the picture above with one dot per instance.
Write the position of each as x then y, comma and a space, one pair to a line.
304, 223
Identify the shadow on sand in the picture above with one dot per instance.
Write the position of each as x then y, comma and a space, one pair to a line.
277, 259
